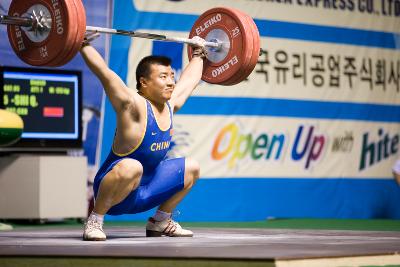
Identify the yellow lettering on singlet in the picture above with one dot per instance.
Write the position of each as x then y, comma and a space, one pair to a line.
159, 146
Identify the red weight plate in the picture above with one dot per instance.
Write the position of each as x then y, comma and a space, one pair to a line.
233, 27
254, 53
72, 33
80, 33
40, 53
81, 29
256, 49
248, 53
238, 77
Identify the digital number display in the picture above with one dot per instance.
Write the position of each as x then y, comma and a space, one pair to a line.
47, 103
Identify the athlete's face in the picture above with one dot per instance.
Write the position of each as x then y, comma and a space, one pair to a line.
161, 82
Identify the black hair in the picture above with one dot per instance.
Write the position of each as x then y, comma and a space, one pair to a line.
144, 67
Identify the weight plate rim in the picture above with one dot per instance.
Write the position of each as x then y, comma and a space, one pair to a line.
80, 33
254, 53
241, 75
72, 32
256, 50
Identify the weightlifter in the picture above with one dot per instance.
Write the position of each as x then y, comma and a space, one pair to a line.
136, 176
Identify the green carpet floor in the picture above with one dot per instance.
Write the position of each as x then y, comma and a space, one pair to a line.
322, 224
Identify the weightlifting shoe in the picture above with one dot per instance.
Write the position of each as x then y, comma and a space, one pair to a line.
93, 230
166, 227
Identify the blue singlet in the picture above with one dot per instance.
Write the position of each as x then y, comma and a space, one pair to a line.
162, 177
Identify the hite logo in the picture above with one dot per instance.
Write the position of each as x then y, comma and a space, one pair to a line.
234, 146
377, 148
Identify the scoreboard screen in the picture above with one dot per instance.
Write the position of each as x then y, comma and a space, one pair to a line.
49, 103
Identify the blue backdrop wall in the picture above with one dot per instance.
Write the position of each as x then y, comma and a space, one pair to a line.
326, 87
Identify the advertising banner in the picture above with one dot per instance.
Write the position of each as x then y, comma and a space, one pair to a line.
312, 132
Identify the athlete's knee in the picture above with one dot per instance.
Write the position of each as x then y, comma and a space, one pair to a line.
128, 170
192, 172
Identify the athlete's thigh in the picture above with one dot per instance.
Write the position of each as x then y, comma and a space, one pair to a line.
167, 180
101, 174
125, 168
128, 203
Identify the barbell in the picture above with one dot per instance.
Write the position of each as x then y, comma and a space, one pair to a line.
51, 32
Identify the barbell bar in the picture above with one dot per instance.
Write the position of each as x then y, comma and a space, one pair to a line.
35, 25
19, 21
44, 34
152, 36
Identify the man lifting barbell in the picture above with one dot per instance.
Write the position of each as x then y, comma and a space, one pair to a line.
136, 176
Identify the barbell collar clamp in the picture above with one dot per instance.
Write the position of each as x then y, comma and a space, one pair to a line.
35, 22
